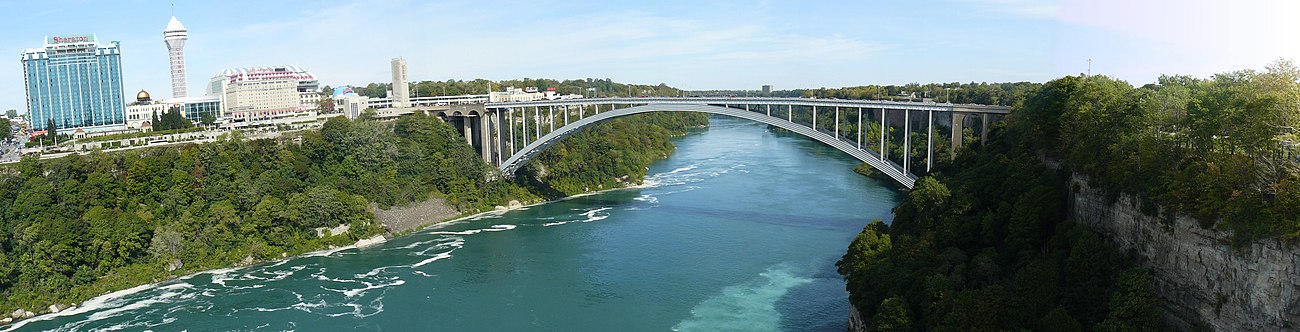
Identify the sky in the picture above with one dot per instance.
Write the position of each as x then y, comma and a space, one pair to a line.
690, 44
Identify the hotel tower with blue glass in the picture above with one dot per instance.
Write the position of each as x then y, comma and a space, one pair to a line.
77, 82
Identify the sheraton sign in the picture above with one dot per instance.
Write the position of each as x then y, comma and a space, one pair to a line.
70, 39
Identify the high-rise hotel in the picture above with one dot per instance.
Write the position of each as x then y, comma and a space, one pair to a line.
76, 81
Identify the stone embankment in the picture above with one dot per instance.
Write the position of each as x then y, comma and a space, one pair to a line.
1204, 281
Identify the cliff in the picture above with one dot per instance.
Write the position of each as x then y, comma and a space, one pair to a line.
1200, 277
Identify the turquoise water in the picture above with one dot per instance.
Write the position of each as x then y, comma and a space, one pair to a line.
738, 230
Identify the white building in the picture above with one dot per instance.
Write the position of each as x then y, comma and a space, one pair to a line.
401, 93
513, 94
349, 102
142, 111
264, 92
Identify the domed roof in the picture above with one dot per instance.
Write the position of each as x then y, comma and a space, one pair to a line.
142, 96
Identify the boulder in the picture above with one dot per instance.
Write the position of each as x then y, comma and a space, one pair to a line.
371, 241
174, 265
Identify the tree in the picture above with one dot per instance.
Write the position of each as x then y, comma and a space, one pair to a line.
11, 113
154, 121
52, 130
208, 119
6, 130
893, 316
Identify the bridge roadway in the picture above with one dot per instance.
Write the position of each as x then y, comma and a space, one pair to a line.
819, 102
491, 128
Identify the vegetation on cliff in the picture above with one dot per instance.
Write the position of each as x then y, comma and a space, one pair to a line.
1223, 149
79, 226
983, 245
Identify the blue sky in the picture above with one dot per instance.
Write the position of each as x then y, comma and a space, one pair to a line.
688, 44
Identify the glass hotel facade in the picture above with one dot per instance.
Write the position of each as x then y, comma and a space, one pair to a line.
76, 81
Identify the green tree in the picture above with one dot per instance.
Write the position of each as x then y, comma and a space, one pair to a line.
208, 119
52, 130
6, 129
893, 316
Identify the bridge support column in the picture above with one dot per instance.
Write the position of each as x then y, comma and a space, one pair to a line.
958, 120
929, 143
814, 118
769, 109
907, 140
566, 115
581, 112
882, 133
537, 122
500, 140
469, 130
837, 122
485, 136
789, 113
984, 128
550, 117
511, 112
859, 128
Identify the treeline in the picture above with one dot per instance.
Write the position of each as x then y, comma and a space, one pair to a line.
610, 155
76, 227
590, 87
983, 93
1223, 149
984, 245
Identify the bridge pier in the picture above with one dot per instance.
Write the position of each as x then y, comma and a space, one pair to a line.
929, 143
859, 128
907, 140
958, 120
883, 134
984, 128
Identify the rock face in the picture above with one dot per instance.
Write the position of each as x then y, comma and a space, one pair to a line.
1201, 278
402, 219
856, 323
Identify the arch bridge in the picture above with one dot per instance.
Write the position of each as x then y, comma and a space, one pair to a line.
510, 134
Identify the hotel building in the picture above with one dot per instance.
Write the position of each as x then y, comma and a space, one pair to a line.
75, 81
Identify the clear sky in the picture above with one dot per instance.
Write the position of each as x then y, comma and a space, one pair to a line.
692, 44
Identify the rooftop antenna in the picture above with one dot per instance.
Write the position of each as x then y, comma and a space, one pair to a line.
1089, 67
173, 8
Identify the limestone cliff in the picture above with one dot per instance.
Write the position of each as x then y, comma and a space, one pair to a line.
1201, 278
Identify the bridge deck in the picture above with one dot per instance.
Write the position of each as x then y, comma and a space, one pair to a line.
897, 105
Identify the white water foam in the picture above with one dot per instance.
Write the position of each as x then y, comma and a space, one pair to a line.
749, 306
327, 252
99, 302
435, 258
468, 232
591, 215
498, 228
370, 286
646, 198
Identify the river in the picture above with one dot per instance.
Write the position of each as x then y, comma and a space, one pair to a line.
738, 230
